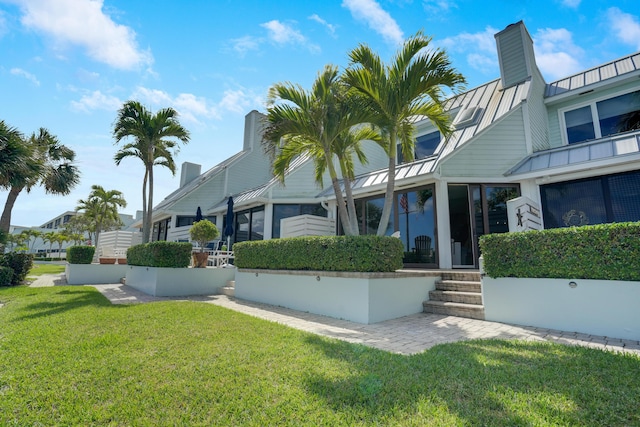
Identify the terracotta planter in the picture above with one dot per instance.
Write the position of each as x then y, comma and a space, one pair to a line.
122, 260
200, 259
107, 260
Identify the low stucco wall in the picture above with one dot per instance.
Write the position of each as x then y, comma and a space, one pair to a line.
596, 307
174, 282
94, 274
359, 297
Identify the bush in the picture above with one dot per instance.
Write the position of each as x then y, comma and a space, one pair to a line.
80, 254
160, 254
203, 232
6, 276
322, 253
19, 263
603, 252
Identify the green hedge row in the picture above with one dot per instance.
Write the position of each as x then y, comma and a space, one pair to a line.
19, 263
80, 254
160, 254
322, 253
604, 252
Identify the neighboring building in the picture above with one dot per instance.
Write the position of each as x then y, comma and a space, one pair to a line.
57, 224
570, 148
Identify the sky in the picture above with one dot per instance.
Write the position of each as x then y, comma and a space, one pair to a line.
69, 65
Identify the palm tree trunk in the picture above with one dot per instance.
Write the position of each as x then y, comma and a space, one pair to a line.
351, 206
391, 184
342, 208
145, 238
150, 206
5, 220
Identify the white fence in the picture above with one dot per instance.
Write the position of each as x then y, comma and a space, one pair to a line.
307, 225
111, 243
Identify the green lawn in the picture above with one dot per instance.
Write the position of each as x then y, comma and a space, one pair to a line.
40, 269
69, 357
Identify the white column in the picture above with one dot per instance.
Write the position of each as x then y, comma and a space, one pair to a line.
444, 228
268, 220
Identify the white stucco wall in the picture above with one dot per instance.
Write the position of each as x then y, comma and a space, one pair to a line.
359, 297
94, 274
171, 282
596, 307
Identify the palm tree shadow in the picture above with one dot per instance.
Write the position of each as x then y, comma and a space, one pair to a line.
480, 382
80, 298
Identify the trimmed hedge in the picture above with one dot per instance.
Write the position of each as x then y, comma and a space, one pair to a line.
322, 253
19, 263
603, 252
6, 276
80, 254
160, 254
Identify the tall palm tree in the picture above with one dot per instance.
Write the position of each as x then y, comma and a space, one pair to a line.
49, 237
102, 208
14, 155
152, 144
323, 123
48, 163
410, 86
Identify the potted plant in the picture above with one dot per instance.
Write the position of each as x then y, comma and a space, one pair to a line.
202, 232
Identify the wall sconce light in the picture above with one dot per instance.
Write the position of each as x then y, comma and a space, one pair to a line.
573, 285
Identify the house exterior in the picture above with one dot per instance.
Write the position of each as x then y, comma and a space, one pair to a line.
523, 152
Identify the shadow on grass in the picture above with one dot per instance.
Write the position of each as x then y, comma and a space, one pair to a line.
71, 299
486, 382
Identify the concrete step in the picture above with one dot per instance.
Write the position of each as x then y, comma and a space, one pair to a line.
455, 296
465, 276
459, 285
470, 311
229, 291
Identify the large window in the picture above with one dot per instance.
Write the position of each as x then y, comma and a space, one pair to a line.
425, 146
250, 225
281, 212
605, 199
614, 115
186, 220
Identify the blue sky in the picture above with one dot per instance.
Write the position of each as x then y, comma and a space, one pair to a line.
68, 65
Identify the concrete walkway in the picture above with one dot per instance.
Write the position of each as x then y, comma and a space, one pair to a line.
406, 335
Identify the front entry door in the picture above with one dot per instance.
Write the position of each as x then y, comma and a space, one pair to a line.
475, 210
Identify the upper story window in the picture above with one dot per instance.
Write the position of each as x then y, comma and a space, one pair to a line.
603, 118
425, 146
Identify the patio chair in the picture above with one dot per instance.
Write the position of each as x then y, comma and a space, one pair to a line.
423, 246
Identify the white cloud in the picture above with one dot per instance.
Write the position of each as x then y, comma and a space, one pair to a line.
436, 8
83, 23
244, 44
573, 4
27, 75
96, 100
557, 55
330, 27
3, 24
479, 48
625, 26
283, 34
377, 18
237, 101
191, 108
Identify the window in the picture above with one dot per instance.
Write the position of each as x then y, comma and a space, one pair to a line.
425, 146
614, 115
249, 225
604, 199
619, 114
287, 211
579, 125
186, 220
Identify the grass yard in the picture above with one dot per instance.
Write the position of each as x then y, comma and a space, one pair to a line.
69, 357
40, 269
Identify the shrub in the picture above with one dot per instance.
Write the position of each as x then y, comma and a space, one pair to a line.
604, 252
6, 276
160, 254
322, 253
203, 232
19, 263
80, 254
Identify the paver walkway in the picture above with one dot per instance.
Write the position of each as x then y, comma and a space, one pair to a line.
405, 335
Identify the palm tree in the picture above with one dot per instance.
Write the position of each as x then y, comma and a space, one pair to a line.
49, 237
410, 86
102, 208
151, 145
14, 155
323, 124
48, 163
